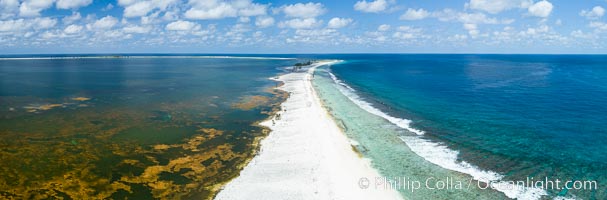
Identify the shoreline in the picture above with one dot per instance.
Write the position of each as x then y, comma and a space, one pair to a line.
439, 154
306, 155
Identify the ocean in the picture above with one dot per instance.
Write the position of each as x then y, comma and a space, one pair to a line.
499, 119
170, 126
136, 127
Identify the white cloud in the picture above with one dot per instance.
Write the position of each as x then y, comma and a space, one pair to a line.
300, 10
264, 21
248, 9
244, 19
32, 8
472, 30
413, 14
598, 25
315, 32
497, 6
541, 9
535, 31
106, 22
138, 8
298, 23
337, 22
221, 11
376, 35
72, 18
595, 13
12, 25
383, 27
580, 34
182, 26
408, 33
137, 29
44, 23
27, 24
218, 9
72, 4
476, 18
371, 6
72, 29
8, 8
467, 18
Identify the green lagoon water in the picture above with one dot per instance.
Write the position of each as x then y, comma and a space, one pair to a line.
136, 128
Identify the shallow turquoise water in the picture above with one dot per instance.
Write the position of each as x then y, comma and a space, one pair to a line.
536, 116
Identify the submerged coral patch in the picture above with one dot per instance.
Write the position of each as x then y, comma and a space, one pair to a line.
251, 102
81, 98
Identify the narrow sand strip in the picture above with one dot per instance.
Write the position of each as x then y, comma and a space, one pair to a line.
306, 156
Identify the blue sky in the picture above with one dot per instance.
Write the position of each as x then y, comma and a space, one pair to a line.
344, 26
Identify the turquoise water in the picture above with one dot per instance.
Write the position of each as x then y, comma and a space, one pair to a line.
501, 117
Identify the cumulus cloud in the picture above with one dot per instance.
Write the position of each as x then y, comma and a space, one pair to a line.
532, 32
218, 9
541, 9
472, 30
300, 10
32, 8
12, 25
598, 26
137, 29
72, 29
315, 32
182, 26
337, 22
412, 14
383, 27
17, 25
595, 13
72, 18
8, 8
106, 22
298, 23
44, 23
467, 18
264, 21
138, 8
72, 4
408, 33
371, 6
497, 6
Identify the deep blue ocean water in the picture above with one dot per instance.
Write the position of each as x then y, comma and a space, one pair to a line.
538, 116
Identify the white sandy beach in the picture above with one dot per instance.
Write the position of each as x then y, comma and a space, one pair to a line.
306, 156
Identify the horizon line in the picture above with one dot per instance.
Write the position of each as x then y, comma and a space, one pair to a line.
343, 53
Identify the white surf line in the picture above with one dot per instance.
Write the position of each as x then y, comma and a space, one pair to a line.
306, 155
403, 123
441, 155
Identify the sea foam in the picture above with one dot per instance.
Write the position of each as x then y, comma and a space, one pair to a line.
403, 123
439, 154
